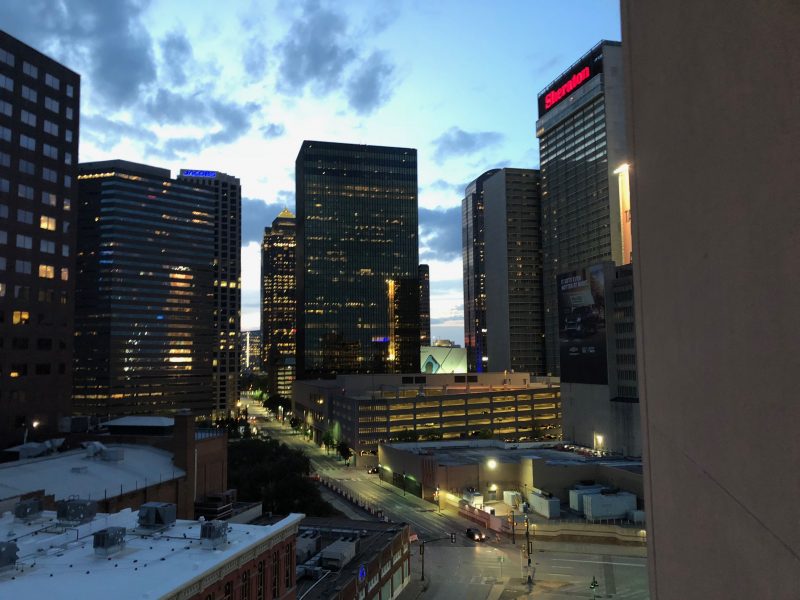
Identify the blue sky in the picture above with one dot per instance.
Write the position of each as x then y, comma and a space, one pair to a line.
237, 86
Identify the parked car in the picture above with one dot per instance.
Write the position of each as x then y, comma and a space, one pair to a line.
372, 470
476, 534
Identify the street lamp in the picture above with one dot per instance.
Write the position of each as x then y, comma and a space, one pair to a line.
593, 586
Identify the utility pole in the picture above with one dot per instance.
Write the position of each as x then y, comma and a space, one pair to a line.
529, 547
451, 537
513, 529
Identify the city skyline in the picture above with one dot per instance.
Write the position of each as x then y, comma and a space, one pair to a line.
299, 74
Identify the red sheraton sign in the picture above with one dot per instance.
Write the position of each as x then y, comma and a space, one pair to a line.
553, 97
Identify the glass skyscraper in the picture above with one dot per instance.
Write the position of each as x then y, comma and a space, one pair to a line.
227, 281
279, 303
144, 299
357, 259
473, 258
581, 131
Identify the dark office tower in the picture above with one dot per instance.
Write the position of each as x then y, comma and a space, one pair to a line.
39, 104
227, 282
356, 241
581, 131
472, 248
424, 305
513, 258
279, 303
145, 295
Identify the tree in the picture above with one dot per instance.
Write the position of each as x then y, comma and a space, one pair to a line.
295, 423
274, 401
327, 439
485, 434
343, 448
271, 472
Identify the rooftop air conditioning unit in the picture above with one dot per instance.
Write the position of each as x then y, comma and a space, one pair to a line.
213, 533
108, 541
28, 509
76, 510
157, 515
8, 555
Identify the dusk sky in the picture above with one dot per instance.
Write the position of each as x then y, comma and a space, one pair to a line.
236, 86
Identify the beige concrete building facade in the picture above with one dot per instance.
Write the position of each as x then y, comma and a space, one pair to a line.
713, 91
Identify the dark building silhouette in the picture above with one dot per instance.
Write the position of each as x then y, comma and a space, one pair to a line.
424, 305
39, 110
473, 257
279, 303
357, 245
227, 282
145, 294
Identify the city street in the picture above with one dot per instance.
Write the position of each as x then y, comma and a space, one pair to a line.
495, 569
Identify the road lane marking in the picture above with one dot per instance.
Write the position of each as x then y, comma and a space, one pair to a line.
601, 562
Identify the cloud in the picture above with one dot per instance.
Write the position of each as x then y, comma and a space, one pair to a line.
446, 186
370, 85
176, 52
107, 133
255, 58
315, 51
256, 215
457, 142
104, 41
318, 54
440, 233
287, 198
272, 130
232, 120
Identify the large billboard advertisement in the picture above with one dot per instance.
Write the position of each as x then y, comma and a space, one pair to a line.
442, 359
582, 326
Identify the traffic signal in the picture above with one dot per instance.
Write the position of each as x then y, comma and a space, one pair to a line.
452, 538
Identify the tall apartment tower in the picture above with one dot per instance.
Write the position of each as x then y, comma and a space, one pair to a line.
145, 295
473, 259
227, 282
582, 145
39, 109
357, 259
279, 303
424, 305
717, 290
513, 267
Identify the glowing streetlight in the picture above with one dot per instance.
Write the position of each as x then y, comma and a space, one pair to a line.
491, 463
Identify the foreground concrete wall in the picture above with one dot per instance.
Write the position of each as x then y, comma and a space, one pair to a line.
713, 91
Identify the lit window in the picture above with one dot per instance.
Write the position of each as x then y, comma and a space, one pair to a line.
47, 271
20, 317
64, 274
48, 223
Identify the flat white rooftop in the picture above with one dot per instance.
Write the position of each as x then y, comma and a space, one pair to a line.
57, 562
74, 473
